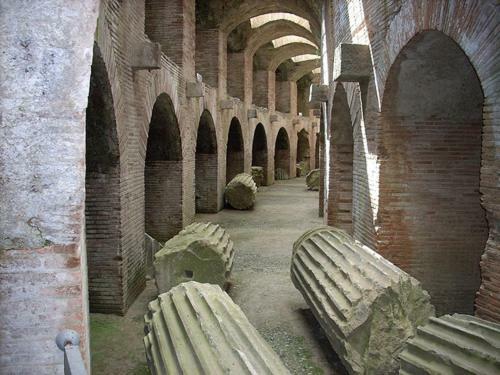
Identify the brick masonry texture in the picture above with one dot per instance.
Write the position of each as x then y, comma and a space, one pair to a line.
425, 185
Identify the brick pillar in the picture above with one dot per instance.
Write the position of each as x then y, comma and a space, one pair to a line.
235, 76
172, 24
286, 97
46, 59
271, 90
261, 87
211, 58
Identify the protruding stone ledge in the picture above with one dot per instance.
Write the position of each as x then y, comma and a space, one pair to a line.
453, 344
352, 63
226, 104
318, 94
240, 192
146, 56
367, 306
195, 89
251, 113
201, 252
197, 329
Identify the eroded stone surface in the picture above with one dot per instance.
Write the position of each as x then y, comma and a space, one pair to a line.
240, 192
312, 179
211, 335
202, 252
367, 306
453, 344
258, 175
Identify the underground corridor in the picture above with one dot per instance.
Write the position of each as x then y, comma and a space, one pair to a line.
237, 187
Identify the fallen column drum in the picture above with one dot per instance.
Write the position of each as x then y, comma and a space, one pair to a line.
201, 252
240, 192
453, 344
198, 329
367, 306
312, 179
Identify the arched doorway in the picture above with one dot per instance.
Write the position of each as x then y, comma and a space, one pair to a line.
259, 150
282, 156
303, 157
206, 166
431, 220
102, 195
163, 172
235, 155
340, 186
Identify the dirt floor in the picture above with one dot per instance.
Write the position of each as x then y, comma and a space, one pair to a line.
260, 284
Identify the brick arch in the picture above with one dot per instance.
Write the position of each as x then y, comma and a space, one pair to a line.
235, 150
260, 154
431, 216
163, 172
104, 43
339, 211
303, 68
282, 152
206, 165
246, 10
472, 25
273, 30
288, 51
102, 193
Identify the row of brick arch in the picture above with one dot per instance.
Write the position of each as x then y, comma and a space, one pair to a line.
163, 180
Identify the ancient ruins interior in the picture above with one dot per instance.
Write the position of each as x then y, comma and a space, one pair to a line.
250, 187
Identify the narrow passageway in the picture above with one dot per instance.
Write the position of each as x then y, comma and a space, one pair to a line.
260, 280
260, 285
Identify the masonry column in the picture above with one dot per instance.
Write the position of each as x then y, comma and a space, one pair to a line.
322, 163
172, 24
211, 58
263, 90
286, 97
46, 58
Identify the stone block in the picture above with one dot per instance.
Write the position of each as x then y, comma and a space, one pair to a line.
317, 113
312, 179
273, 118
367, 306
195, 89
352, 63
226, 104
453, 344
240, 192
318, 95
201, 252
258, 175
146, 56
197, 329
252, 113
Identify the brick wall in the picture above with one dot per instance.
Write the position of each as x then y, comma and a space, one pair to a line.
172, 24
163, 198
429, 179
206, 183
387, 29
340, 184
261, 89
236, 75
